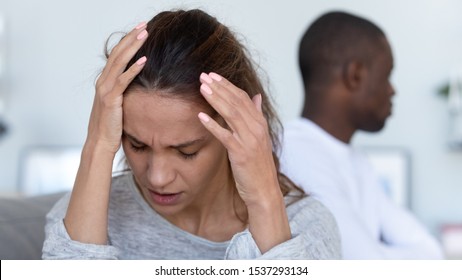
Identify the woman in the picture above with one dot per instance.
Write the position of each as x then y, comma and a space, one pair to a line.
204, 180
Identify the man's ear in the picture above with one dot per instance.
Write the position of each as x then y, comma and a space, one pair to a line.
354, 73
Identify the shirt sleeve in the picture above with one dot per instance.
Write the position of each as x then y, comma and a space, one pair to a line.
357, 240
403, 236
58, 244
314, 236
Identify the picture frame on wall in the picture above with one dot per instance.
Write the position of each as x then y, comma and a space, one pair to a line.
393, 167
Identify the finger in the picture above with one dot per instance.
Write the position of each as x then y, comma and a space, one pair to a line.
223, 135
231, 114
233, 95
232, 103
124, 42
121, 59
123, 52
257, 100
127, 77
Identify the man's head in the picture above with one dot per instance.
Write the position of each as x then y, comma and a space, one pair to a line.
345, 62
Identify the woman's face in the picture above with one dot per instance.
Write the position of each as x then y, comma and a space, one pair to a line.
178, 165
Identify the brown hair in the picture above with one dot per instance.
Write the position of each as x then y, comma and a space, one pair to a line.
183, 44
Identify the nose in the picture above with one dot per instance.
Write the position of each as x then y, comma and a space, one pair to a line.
160, 172
392, 90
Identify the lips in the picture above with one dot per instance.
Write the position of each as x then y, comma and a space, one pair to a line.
390, 108
165, 198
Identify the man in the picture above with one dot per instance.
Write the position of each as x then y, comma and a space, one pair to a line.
345, 63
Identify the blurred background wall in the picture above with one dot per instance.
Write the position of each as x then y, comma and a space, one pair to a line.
54, 51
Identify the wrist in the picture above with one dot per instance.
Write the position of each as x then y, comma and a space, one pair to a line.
266, 206
100, 147
265, 201
268, 222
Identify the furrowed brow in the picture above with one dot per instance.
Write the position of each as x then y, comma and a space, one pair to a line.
132, 138
188, 143
178, 146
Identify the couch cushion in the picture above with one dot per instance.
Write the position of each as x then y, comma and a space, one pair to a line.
22, 222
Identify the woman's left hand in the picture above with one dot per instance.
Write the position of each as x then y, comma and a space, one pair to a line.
246, 137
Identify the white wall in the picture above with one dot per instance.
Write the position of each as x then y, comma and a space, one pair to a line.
55, 51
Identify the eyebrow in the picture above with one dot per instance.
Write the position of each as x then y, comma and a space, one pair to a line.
188, 143
132, 138
177, 146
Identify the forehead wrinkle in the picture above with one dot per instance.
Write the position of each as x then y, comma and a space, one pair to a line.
163, 120
131, 137
189, 143
182, 145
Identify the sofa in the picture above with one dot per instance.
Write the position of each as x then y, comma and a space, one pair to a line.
22, 222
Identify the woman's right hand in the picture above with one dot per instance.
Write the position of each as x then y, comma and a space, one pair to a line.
86, 218
105, 127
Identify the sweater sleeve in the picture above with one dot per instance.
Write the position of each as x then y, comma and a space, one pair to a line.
314, 236
59, 245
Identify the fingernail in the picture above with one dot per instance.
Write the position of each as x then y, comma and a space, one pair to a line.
142, 35
215, 76
203, 117
206, 78
205, 88
141, 60
260, 101
141, 25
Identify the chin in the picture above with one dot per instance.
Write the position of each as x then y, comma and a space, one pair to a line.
166, 211
374, 127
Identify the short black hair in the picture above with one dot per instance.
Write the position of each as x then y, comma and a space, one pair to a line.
333, 40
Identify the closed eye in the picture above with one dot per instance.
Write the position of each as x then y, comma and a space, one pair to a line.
135, 144
137, 148
187, 155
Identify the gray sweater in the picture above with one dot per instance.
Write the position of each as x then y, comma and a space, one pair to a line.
136, 231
